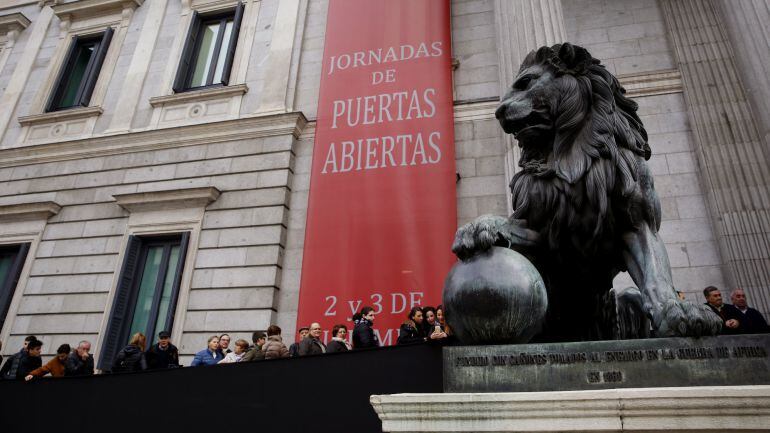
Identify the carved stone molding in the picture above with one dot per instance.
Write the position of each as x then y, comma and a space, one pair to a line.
29, 211
170, 199
199, 95
13, 22
87, 8
652, 83
239, 129
61, 115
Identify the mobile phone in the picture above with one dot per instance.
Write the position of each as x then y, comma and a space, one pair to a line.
437, 328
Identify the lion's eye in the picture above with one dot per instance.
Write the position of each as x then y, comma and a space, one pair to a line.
522, 83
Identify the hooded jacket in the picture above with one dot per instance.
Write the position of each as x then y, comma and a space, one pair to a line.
130, 358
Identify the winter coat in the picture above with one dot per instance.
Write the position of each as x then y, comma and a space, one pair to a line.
207, 357
231, 358
294, 350
158, 358
337, 345
410, 333
54, 366
274, 348
76, 366
311, 346
255, 353
363, 335
20, 365
130, 358
10, 369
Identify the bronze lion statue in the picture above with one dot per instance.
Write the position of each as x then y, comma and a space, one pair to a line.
585, 207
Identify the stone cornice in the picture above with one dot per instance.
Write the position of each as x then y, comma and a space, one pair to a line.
15, 21
200, 95
652, 83
213, 132
86, 8
170, 199
29, 211
58, 116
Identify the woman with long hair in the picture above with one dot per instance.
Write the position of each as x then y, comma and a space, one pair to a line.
410, 331
363, 334
131, 357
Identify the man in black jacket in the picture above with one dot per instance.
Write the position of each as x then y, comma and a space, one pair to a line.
11, 367
312, 344
752, 321
163, 354
729, 314
21, 364
294, 348
80, 362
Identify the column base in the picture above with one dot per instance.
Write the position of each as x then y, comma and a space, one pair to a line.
691, 409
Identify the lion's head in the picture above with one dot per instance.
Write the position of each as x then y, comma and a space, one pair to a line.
564, 108
581, 139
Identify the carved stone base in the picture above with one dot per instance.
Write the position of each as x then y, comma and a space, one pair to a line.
691, 409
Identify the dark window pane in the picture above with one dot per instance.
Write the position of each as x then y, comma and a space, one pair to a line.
168, 289
209, 36
223, 53
146, 294
6, 260
73, 81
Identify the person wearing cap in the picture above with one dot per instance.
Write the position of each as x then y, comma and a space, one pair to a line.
162, 354
303, 332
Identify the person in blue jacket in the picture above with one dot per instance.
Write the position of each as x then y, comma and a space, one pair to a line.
210, 355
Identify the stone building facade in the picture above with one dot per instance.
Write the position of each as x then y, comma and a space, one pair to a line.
229, 166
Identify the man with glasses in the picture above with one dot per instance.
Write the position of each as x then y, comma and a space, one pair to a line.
312, 344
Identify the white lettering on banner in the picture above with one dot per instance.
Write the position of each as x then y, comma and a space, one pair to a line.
398, 303
382, 152
391, 54
384, 107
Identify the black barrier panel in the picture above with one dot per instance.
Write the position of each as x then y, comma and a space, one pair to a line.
315, 394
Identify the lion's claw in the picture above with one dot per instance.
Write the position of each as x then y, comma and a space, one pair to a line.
684, 319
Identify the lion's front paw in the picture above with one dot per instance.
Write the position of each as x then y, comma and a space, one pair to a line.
478, 235
684, 319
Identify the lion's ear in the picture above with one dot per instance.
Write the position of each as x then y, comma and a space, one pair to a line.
574, 59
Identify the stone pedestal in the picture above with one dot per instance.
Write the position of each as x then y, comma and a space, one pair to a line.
691, 409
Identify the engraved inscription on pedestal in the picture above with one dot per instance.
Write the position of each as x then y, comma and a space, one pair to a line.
713, 361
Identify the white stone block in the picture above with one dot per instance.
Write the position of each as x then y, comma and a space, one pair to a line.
231, 299
227, 320
66, 303
693, 409
57, 324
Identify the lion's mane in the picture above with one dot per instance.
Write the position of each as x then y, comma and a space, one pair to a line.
599, 148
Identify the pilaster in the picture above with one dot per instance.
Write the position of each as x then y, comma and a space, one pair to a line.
522, 26
734, 167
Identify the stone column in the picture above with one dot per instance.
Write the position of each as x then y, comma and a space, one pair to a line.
746, 22
131, 89
522, 26
734, 168
12, 94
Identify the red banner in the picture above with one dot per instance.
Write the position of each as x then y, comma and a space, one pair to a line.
382, 207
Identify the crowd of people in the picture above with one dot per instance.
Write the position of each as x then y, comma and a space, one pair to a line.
423, 324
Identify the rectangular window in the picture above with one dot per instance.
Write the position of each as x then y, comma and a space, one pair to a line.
147, 291
207, 57
80, 70
11, 261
